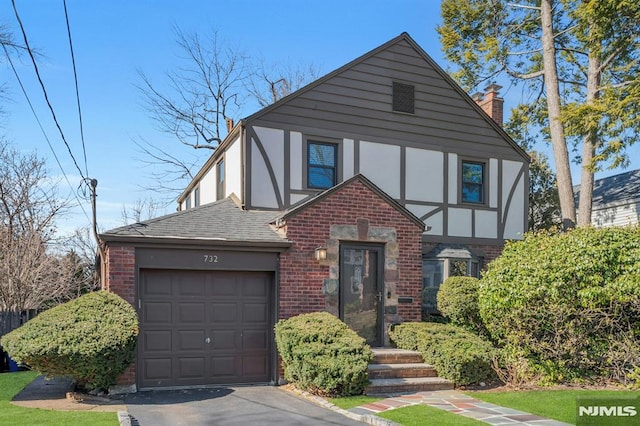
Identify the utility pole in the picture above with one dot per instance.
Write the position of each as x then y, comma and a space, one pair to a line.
101, 254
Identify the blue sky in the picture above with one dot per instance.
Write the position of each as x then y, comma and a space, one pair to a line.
114, 38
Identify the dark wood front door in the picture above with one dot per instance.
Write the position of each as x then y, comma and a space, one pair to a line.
361, 290
204, 328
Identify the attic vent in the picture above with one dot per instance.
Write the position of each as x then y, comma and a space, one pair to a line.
403, 98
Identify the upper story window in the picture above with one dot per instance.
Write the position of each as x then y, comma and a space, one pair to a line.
473, 182
220, 180
196, 197
404, 98
187, 202
322, 159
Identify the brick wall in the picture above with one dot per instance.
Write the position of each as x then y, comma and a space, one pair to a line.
120, 274
353, 213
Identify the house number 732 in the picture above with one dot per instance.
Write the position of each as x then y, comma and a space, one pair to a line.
210, 258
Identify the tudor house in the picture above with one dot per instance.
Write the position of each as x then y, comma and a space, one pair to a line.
357, 195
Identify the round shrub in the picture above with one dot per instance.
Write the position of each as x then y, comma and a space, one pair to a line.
458, 355
458, 302
322, 355
91, 339
569, 303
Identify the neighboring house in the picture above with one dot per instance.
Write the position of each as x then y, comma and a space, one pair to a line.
357, 195
616, 200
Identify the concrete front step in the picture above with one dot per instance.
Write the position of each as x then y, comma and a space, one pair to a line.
402, 385
392, 371
395, 356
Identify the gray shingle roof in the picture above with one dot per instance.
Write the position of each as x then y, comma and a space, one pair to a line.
616, 190
221, 221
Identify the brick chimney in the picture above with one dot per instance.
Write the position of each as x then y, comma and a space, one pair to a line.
490, 102
230, 123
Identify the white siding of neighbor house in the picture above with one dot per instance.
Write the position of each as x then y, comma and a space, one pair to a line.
208, 187
460, 222
295, 160
233, 170
619, 215
453, 179
348, 156
513, 208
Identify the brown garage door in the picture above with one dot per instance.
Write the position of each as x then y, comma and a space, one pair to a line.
204, 328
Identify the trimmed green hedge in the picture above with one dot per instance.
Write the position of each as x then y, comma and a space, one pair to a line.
458, 302
568, 303
322, 355
458, 355
91, 339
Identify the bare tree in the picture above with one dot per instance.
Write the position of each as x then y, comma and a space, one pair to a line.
212, 85
30, 275
268, 84
142, 209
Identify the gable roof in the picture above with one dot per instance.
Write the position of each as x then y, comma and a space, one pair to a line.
620, 189
221, 222
443, 74
312, 200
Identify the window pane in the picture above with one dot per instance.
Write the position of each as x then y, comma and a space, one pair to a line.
322, 155
471, 193
431, 280
321, 177
472, 173
457, 268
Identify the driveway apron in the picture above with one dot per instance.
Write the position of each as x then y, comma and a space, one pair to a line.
245, 405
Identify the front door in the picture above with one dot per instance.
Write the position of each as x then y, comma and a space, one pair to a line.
361, 290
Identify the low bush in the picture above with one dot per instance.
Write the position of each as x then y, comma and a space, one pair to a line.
458, 302
457, 354
322, 355
91, 339
568, 303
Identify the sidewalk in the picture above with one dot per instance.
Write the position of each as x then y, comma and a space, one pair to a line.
458, 403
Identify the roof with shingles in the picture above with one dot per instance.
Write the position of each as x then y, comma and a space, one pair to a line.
620, 189
220, 221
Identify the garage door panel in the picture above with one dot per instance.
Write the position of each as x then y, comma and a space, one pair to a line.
254, 365
157, 368
224, 339
156, 341
233, 310
254, 340
255, 313
157, 312
191, 340
224, 286
192, 313
192, 367
222, 313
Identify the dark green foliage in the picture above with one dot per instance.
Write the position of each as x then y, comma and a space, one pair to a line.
322, 355
568, 303
458, 355
92, 339
458, 302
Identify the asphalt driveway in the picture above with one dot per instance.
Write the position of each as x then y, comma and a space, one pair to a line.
246, 405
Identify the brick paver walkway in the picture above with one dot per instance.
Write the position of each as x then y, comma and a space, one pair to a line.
458, 403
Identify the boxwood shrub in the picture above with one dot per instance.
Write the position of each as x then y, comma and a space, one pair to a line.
322, 355
458, 302
91, 339
457, 354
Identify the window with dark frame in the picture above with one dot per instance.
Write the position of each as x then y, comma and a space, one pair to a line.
473, 182
220, 180
187, 203
322, 159
196, 197
404, 98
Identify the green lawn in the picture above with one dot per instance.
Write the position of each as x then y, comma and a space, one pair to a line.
353, 401
555, 404
423, 415
12, 383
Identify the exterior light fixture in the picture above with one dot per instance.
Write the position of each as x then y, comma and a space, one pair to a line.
321, 254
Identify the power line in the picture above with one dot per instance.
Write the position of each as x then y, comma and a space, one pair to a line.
75, 77
15, 72
44, 90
